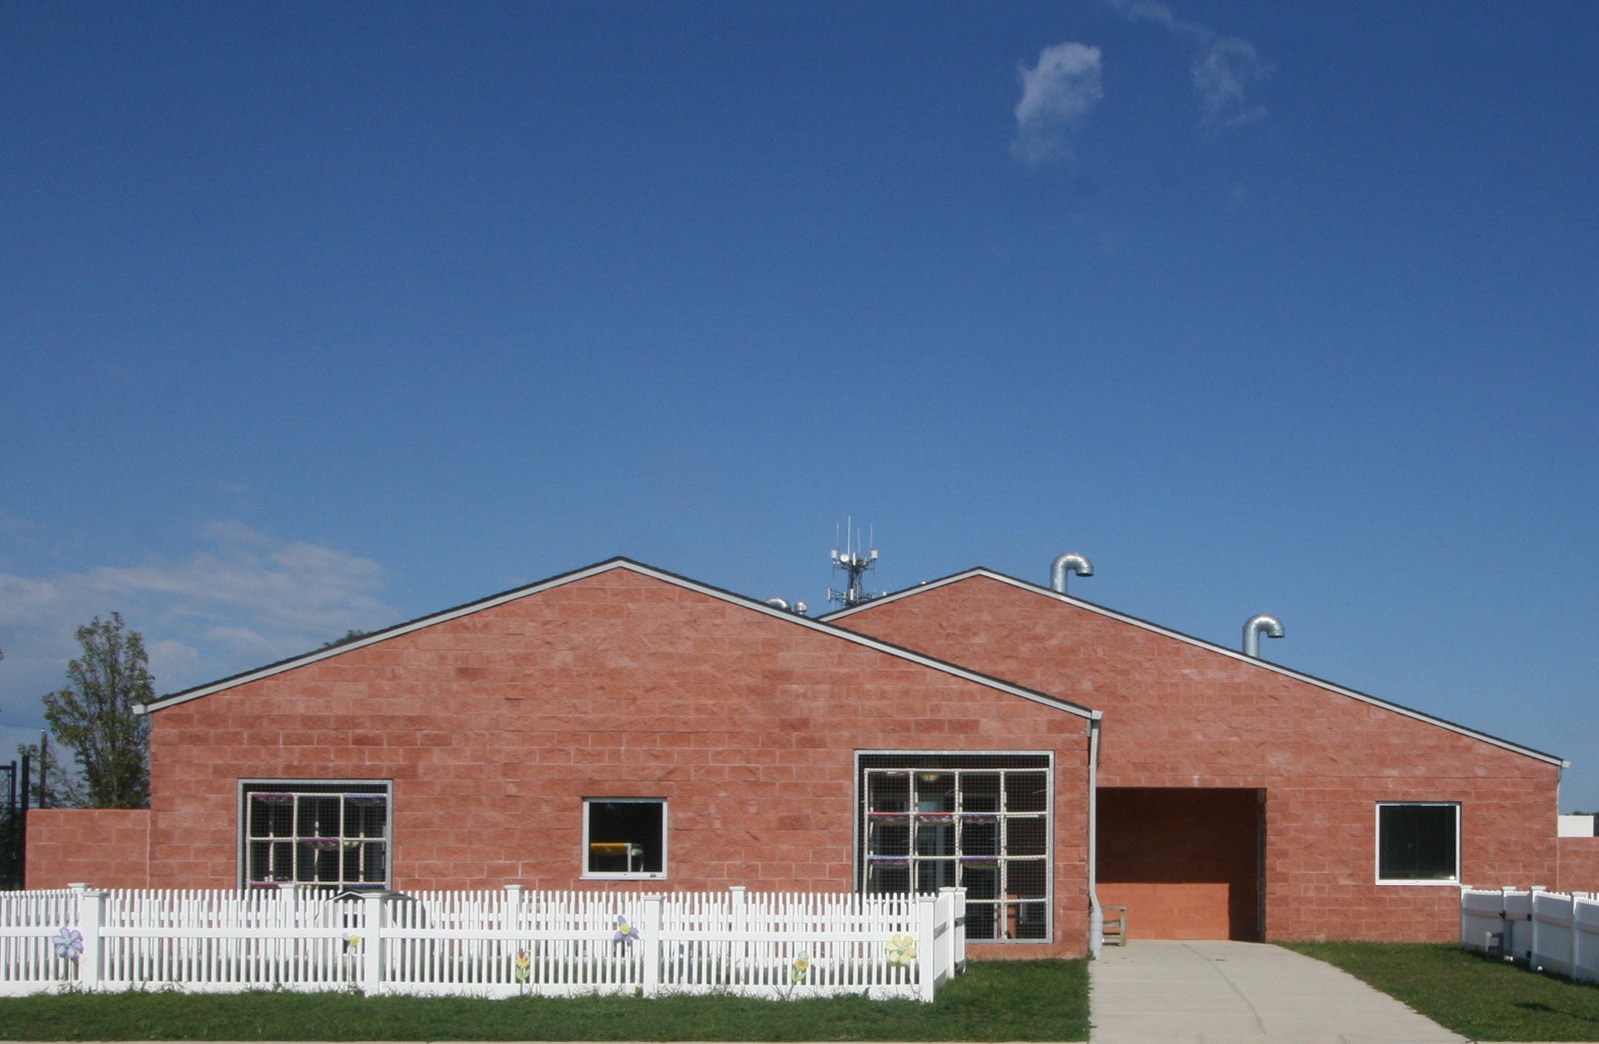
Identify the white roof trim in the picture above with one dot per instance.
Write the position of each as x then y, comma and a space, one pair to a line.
1210, 646
491, 602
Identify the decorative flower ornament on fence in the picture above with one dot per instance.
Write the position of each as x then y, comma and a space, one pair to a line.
796, 972
625, 933
524, 967
352, 944
901, 949
69, 944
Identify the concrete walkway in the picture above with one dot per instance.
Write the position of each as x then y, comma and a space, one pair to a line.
1149, 992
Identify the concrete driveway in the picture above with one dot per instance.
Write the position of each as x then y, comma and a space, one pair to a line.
1224, 992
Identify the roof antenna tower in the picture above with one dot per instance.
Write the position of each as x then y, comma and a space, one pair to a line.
856, 561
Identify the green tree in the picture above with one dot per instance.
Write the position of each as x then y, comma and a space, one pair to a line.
54, 785
93, 716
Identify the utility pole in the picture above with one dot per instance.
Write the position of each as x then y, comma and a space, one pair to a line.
44, 760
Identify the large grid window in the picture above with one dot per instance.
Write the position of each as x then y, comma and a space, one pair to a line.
330, 834
1418, 843
977, 821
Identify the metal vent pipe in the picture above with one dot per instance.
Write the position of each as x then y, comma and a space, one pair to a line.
1068, 563
1252, 629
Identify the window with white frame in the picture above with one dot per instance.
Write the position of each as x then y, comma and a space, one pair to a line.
331, 834
624, 837
1418, 842
976, 821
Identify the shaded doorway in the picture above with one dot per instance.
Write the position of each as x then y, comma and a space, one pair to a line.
1186, 863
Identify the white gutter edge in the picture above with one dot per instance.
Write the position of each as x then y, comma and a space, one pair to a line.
1096, 913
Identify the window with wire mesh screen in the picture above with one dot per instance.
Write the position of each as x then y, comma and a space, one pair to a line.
333, 834
976, 821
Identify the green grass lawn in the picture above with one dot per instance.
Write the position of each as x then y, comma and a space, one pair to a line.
993, 1001
1473, 996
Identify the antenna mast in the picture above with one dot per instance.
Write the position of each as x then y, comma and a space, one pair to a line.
856, 561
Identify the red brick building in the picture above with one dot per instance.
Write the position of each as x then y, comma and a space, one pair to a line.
616, 727
1239, 799
622, 727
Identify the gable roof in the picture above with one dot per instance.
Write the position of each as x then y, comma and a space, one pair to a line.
597, 569
1167, 632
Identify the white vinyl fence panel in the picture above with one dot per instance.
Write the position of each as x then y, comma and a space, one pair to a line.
1553, 931
491, 944
31, 920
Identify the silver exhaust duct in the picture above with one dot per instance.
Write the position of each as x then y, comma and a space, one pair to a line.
1252, 629
1068, 563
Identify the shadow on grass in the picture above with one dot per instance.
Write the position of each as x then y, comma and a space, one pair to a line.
1540, 1008
992, 1001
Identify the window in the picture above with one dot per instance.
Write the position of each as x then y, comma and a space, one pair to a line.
331, 834
1418, 843
624, 837
976, 821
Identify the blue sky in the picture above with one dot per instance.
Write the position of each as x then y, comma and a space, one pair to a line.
327, 316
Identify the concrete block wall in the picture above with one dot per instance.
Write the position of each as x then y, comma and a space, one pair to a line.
107, 848
1579, 865
495, 726
1186, 717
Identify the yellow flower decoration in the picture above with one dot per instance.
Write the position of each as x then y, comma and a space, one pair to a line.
802, 964
901, 949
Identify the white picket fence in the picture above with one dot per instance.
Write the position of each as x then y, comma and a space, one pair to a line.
1553, 931
489, 944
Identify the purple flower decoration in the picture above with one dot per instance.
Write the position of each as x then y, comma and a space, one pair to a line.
625, 933
69, 944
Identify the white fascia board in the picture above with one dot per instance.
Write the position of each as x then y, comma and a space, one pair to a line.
1200, 643
491, 602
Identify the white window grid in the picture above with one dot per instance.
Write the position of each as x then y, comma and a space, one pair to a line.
977, 821
334, 835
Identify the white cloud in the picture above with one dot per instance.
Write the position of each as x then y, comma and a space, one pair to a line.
1056, 94
1225, 68
1223, 75
240, 600
169, 659
1150, 11
292, 587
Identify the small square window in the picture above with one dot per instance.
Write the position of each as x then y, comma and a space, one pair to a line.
1418, 843
624, 837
